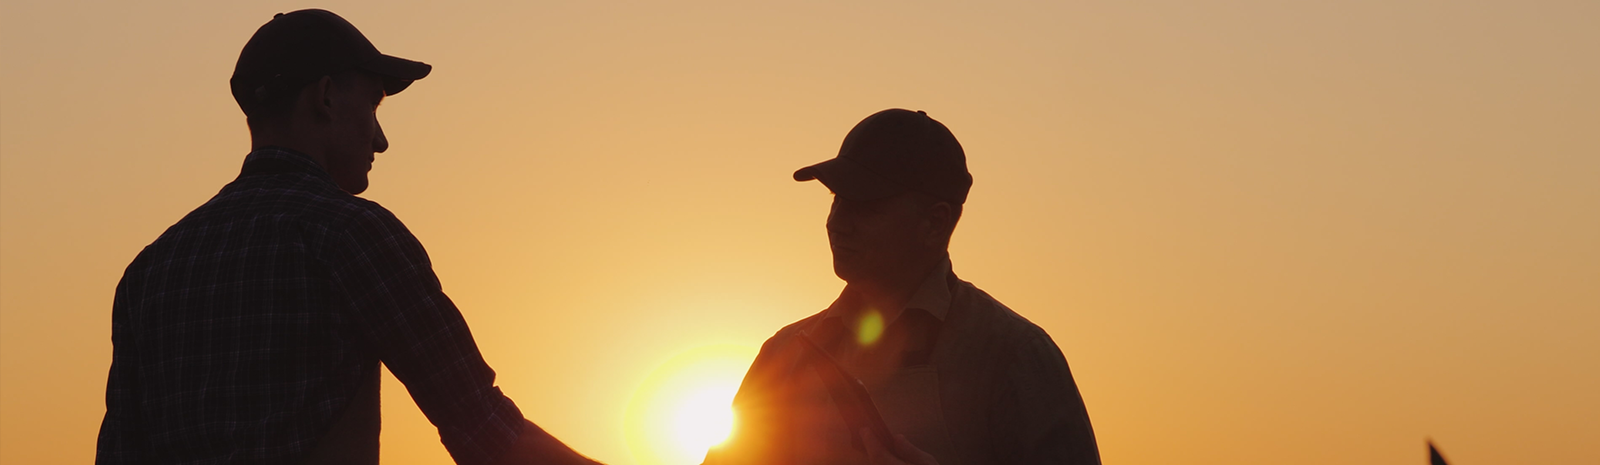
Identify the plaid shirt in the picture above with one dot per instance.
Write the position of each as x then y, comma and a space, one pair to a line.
245, 329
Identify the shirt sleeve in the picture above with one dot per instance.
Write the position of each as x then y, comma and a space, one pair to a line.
121, 440
382, 276
1039, 416
762, 413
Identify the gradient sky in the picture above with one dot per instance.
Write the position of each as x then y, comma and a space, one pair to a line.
1260, 231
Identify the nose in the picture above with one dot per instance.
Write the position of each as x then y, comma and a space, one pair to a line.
379, 142
838, 224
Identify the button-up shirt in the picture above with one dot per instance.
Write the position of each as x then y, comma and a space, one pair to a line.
960, 375
244, 330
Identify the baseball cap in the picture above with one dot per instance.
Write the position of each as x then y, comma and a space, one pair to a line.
892, 152
299, 47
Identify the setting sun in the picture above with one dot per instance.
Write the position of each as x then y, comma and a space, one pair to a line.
1255, 230
704, 417
685, 406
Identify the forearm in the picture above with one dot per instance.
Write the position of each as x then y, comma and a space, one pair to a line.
535, 446
384, 283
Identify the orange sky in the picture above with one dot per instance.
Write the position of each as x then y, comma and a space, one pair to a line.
1260, 231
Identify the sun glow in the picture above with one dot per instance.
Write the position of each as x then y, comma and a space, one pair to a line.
684, 406
704, 418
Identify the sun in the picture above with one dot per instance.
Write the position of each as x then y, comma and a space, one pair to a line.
684, 406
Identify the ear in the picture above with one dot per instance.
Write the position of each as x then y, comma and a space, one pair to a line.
941, 221
319, 96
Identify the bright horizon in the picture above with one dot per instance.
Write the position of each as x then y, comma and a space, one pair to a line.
1259, 231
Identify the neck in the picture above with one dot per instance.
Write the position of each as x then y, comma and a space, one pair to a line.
286, 139
889, 294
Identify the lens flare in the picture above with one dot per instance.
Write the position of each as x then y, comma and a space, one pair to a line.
870, 328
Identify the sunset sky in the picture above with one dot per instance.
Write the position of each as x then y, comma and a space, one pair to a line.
1261, 231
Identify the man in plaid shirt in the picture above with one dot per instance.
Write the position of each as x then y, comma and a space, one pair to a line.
252, 330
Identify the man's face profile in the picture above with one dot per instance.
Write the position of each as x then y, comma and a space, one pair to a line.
354, 134
870, 239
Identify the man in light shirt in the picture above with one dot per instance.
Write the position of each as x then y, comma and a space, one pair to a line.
957, 376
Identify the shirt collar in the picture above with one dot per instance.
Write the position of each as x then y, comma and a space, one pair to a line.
932, 296
273, 159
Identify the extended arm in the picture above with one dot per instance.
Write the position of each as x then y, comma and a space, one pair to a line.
385, 278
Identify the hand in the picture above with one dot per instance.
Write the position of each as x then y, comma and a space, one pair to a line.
903, 451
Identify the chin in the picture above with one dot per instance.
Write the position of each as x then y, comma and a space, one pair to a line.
354, 188
846, 271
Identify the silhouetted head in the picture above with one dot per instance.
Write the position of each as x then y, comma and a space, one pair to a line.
899, 182
311, 82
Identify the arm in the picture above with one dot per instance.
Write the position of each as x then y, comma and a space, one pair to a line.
535, 446
759, 434
1038, 415
383, 277
120, 439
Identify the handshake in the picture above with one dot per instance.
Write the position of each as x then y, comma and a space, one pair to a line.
253, 329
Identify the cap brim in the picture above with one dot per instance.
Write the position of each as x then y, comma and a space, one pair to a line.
398, 73
849, 180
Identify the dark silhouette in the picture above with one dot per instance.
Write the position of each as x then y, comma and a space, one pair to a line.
1433, 455
955, 375
252, 330
849, 394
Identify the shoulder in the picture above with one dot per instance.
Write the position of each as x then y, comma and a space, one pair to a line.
313, 202
779, 343
1029, 371
778, 355
1001, 331
301, 207
362, 217
789, 331
322, 202
286, 200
